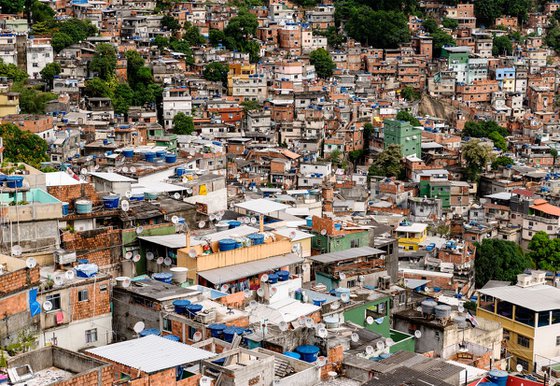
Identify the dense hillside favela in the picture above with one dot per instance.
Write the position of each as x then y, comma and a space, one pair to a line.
279, 192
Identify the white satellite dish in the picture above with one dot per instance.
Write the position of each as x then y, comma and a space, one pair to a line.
47, 306
110, 170
139, 230
189, 190
197, 336
69, 275
369, 320
125, 169
192, 252
253, 304
335, 306
201, 224
260, 292
273, 291
247, 293
204, 381
417, 334
139, 327
159, 260
83, 171
323, 232
30, 263
389, 342
380, 345
126, 282
355, 337
17, 250
132, 169
177, 196
175, 220
461, 308
149, 255
224, 288
128, 255
321, 361
167, 261
264, 278
58, 280
369, 350
296, 248
128, 194
342, 276
309, 323
345, 298
125, 205
136, 258
322, 333
519, 368
361, 278
283, 326
253, 220
293, 234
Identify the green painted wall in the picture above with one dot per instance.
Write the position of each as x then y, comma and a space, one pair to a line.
359, 313
403, 342
326, 244
403, 134
443, 192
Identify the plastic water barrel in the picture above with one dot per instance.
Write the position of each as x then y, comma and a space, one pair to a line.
150, 156
128, 153
319, 301
384, 356
180, 171
65, 208
298, 295
283, 275
160, 153
179, 274
256, 238
308, 353
499, 377
170, 158
163, 277
227, 244
309, 221
151, 195
292, 354
338, 226
181, 305
149, 331
173, 338
111, 202
137, 197
14, 181
83, 206
193, 309
230, 332
216, 329
341, 290
272, 278
222, 226
234, 224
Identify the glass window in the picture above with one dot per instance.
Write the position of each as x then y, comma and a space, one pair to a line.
523, 341
555, 316
166, 325
83, 295
544, 318
525, 316
91, 335
55, 301
505, 309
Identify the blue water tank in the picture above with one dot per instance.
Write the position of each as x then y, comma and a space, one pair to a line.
309, 221
338, 226
163, 277
65, 208
292, 354
150, 156
173, 338
193, 309
149, 331
227, 244
160, 153
128, 153
341, 290
272, 278
181, 305
234, 224
137, 197
170, 158
283, 275
230, 332
319, 301
180, 171
83, 206
256, 238
111, 202
14, 181
499, 377
216, 329
308, 353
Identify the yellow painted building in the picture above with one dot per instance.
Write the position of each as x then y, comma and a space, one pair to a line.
239, 71
9, 103
410, 236
529, 313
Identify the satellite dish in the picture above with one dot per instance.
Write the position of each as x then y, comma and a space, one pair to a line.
175, 220
320, 325
136, 258
224, 288
69, 275
519, 368
260, 292
247, 293
189, 190
124, 169
128, 255
322, 333
283, 326
335, 306
59, 280
380, 345
159, 260
128, 194
167, 261
323, 232
253, 220
342, 276
293, 234
201, 224
369, 320
273, 291
126, 282
264, 278
125, 205
305, 267
30, 263
192, 252
417, 334
83, 171
204, 381
17, 250
355, 337
369, 350
139, 327
321, 361
309, 323
177, 196
461, 308
253, 304
139, 230
361, 278
197, 336
47, 306
149, 255
345, 298
296, 248
389, 342
110, 170
132, 169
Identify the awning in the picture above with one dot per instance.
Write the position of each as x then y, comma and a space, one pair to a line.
241, 271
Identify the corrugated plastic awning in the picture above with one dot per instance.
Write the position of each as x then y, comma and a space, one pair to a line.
241, 271
348, 254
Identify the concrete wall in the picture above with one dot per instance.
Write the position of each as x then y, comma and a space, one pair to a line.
31, 235
306, 374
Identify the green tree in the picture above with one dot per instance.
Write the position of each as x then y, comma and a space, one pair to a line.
216, 72
334, 39
41, 12
169, 23
250, 105
554, 154
545, 251
192, 35
380, 29
48, 72
355, 155
31, 100
216, 36
324, 65
23, 146
253, 48
449, 23
242, 26
441, 39
476, 156
553, 38
60, 41
161, 42
183, 47
430, 25
122, 98
502, 161
183, 124
482, 129
12, 72
104, 62
12, 6
404, 115
410, 94
388, 162
367, 134
499, 141
487, 11
499, 260
502, 46
78, 29
97, 88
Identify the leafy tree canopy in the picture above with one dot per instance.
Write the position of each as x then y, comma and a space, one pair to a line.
482, 129
183, 124
476, 155
502, 46
499, 260
502, 161
324, 65
23, 146
104, 62
404, 115
216, 72
50, 71
13, 72
387, 163
380, 29
31, 100
545, 251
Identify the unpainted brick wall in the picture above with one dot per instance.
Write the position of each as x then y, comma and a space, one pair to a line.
100, 246
70, 193
18, 280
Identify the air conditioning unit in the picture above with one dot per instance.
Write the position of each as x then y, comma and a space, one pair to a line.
206, 316
384, 282
63, 257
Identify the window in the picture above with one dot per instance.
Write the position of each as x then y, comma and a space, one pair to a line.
523, 363
166, 325
83, 295
91, 335
55, 301
192, 331
103, 288
523, 341
354, 243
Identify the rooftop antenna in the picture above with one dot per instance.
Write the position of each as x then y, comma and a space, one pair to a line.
139, 327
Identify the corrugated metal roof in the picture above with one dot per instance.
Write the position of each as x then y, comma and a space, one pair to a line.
536, 298
240, 271
151, 353
262, 206
348, 254
112, 177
